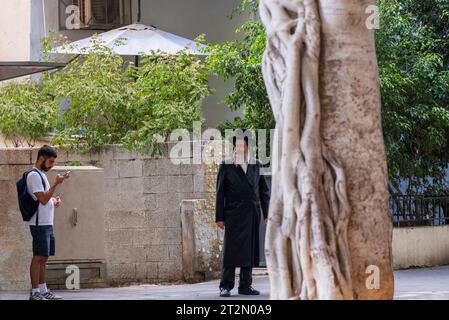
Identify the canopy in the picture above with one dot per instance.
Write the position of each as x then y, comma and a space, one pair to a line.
9, 70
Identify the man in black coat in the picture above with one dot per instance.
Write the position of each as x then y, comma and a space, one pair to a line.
242, 194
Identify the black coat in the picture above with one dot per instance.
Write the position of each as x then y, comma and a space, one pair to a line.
240, 200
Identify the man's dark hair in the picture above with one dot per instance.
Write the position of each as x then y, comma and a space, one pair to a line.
234, 139
47, 151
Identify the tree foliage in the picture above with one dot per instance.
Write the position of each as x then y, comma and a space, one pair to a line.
413, 62
414, 82
100, 98
240, 61
27, 113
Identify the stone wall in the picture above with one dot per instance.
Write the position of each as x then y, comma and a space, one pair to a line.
15, 239
420, 247
142, 203
143, 240
202, 241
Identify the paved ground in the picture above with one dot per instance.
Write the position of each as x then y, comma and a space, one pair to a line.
428, 283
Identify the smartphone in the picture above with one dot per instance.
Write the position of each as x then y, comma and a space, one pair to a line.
67, 174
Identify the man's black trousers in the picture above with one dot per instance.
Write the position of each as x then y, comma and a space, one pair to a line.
228, 278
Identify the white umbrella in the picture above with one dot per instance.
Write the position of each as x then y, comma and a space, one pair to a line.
134, 40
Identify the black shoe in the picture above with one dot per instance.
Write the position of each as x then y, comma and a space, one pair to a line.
249, 291
225, 293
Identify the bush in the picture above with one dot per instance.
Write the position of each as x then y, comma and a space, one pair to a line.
107, 100
27, 112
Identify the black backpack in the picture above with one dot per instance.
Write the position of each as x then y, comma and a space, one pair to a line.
27, 205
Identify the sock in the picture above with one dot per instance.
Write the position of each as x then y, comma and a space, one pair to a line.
34, 290
43, 287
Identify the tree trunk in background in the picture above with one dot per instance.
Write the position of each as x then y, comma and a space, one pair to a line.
330, 229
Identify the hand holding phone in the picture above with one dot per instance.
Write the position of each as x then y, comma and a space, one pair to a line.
61, 177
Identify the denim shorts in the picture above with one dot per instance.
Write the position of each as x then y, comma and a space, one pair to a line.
43, 241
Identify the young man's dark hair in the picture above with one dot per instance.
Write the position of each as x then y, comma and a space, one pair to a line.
47, 151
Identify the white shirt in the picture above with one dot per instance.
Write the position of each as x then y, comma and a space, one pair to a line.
244, 165
46, 212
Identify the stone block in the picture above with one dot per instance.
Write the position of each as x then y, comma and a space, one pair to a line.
169, 271
157, 253
141, 271
151, 201
122, 272
162, 166
118, 253
113, 202
152, 270
122, 153
125, 219
16, 171
175, 253
15, 156
180, 183
192, 169
111, 169
120, 236
124, 194
168, 235
130, 168
4, 172
131, 186
103, 154
146, 271
199, 183
162, 219
77, 156
155, 184
143, 236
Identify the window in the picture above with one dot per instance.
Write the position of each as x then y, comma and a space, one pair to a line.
94, 14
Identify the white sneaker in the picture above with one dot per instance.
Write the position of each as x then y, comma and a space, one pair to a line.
51, 296
37, 296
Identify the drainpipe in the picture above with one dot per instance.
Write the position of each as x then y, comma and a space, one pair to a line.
138, 11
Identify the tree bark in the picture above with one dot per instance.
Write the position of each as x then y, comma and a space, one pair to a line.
329, 216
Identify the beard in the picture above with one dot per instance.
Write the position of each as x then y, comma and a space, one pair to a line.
44, 167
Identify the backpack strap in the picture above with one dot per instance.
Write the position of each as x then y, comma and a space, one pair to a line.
45, 185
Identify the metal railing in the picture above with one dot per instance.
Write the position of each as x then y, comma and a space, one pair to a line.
411, 211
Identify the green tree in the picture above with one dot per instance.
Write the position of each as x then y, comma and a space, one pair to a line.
413, 62
107, 100
435, 14
240, 61
414, 83
99, 98
27, 113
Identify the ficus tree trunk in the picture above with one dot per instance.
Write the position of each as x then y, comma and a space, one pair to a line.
329, 235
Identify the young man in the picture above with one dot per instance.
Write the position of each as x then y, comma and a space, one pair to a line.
242, 194
41, 224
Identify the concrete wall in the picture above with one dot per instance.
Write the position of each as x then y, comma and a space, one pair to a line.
15, 30
15, 238
420, 247
143, 241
